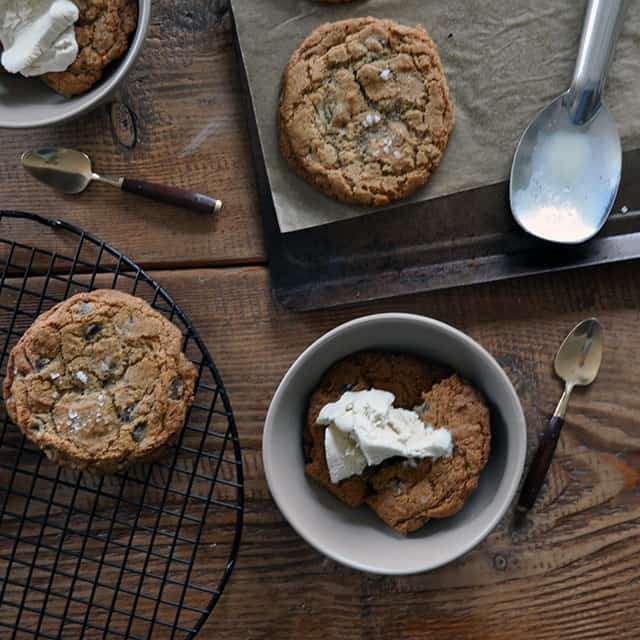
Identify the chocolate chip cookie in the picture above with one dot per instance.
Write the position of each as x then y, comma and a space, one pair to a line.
100, 381
365, 113
102, 31
403, 493
407, 496
406, 376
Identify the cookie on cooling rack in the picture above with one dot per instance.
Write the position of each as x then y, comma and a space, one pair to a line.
100, 381
365, 113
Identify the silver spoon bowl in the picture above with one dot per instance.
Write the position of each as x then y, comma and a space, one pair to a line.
567, 166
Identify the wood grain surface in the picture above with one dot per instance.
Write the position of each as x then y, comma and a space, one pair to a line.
572, 572
178, 119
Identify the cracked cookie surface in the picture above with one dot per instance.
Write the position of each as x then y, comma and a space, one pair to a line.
403, 494
100, 381
365, 113
407, 497
406, 376
102, 31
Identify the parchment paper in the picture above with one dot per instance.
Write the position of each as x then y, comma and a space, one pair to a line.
504, 61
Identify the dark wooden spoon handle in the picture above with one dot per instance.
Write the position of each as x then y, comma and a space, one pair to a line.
540, 465
172, 195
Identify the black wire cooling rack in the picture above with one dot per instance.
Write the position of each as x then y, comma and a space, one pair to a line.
142, 554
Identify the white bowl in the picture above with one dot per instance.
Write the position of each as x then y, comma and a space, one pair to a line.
29, 102
357, 537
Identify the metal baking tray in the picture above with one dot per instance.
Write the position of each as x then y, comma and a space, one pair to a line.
462, 239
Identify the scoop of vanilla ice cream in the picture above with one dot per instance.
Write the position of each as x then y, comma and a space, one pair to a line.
38, 36
364, 429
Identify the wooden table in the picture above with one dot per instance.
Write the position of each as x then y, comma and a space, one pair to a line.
573, 573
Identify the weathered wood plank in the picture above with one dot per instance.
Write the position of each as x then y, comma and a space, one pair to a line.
179, 118
571, 573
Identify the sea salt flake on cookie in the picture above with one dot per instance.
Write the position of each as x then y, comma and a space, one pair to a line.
352, 62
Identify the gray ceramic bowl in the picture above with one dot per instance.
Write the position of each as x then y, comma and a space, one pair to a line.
28, 102
357, 538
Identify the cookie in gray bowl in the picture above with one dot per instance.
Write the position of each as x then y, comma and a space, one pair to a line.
356, 537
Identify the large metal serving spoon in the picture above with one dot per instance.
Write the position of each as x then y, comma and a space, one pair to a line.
567, 166
577, 363
70, 171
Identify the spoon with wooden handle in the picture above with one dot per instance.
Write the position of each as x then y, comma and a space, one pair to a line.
577, 363
70, 171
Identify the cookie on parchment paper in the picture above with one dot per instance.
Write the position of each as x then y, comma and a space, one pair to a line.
365, 113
